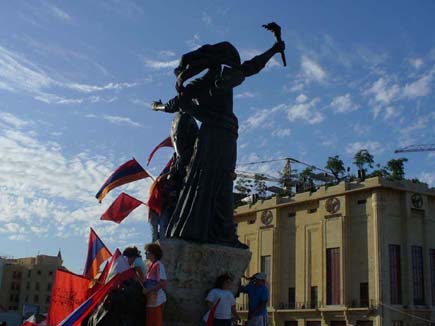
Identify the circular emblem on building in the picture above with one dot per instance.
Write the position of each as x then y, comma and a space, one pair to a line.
417, 200
332, 205
267, 217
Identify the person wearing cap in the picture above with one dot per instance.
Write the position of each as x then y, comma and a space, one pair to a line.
258, 296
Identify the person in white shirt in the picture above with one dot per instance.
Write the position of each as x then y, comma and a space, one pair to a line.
221, 302
155, 282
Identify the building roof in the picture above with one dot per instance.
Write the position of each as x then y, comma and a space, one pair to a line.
340, 189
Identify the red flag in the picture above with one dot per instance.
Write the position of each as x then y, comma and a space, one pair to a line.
210, 319
69, 291
76, 317
122, 206
166, 143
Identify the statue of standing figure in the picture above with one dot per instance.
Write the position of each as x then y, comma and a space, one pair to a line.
204, 209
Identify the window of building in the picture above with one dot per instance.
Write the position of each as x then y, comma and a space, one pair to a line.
28, 286
333, 276
11, 297
17, 298
29, 273
37, 286
266, 266
19, 275
49, 287
337, 323
362, 201
291, 214
432, 273
252, 221
291, 298
364, 294
397, 323
35, 298
291, 323
26, 300
313, 297
13, 286
417, 275
312, 210
364, 323
39, 272
14, 274
395, 274
50, 273
47, 299
313, 323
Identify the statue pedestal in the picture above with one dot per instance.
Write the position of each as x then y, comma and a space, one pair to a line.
192, 269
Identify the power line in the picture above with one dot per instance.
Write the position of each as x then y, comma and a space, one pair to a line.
284, 159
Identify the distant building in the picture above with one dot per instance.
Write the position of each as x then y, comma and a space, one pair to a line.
360, 254
27, 281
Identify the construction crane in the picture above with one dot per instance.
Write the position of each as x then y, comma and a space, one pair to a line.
416, 148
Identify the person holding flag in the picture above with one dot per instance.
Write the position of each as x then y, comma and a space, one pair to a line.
156, 281
135, 260
221, 302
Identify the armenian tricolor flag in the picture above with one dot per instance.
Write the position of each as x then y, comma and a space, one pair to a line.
97, 254
128, 172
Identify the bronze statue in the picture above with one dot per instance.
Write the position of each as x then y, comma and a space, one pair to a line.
204, 210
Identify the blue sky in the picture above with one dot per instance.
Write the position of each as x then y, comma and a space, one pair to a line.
76, 80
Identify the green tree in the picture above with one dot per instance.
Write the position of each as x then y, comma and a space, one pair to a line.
243, 185
260, 185
362, 158
285, 178
379, 171
306, 180
396, 168
336, 166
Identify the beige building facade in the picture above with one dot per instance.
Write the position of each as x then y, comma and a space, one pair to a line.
359, 254
28, 281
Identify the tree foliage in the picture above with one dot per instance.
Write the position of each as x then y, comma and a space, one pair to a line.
363, 158
244, 185
396, 168
260, 185
336, 166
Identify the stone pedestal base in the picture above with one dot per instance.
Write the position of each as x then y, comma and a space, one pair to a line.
192, 269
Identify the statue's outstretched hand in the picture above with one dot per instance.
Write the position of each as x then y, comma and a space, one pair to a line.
158, 106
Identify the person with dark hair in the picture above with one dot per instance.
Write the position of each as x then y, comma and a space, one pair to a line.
135, 260
204, 210
224, 300
155, 282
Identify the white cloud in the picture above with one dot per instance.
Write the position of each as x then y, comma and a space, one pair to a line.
17, 74
390, 113
59, 13
343, 104
301, 98
85, 88
121, 120
206, 19
245, 95
361, 129
384, 92
156, 64
51, 193
428, 177
417, 63
261, 118
420, 87
13, 120
312, 70
284, 132
373, 147
305, 111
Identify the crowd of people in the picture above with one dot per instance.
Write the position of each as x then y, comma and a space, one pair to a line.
220, 300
